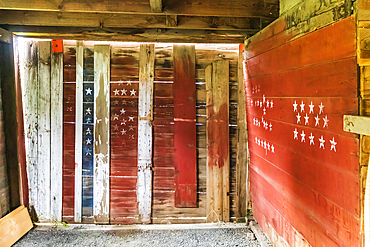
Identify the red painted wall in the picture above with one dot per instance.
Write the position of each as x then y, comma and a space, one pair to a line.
303, 166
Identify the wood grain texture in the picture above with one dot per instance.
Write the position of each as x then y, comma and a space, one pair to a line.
101, 133
78, 132
145, 137
44, 131
185, 125
304, 167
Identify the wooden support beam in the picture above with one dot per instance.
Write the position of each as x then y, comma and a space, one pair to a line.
43, 148
116, 20
242, 151
237, 8
218, 165
185, 141
156, 6
145, 138
6, 36
78, 132
101, 133
56, 99
356, 124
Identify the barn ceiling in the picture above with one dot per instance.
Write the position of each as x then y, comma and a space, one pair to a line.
210, 21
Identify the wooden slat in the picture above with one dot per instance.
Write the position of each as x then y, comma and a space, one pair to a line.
78, 132
144, 180
101, 132
185, 125
14, 225
56, 99
43, 149
156, 6
189, 7
242, 152
356, 124
28, 66
218, 139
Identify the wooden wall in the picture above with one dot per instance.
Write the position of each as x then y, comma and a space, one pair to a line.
123, 166
304, 169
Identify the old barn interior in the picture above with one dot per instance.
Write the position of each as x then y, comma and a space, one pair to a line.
162, 111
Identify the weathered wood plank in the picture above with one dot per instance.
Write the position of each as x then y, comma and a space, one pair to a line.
156, 6
356, 124
185, 125
189, 7
43, 149
242, 151
101, 133
144, 180
6, 36
29, 82
14, 225
78, 132
56, 99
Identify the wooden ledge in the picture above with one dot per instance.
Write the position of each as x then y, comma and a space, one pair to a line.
356, 124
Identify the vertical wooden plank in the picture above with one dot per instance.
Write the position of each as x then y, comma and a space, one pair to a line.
43, 149
218, 137
144, 180
185, 142
9, 117
56, 99
29, 83
101, 132
78, 132
242, 152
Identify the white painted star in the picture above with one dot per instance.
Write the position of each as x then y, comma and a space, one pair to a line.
271, 104
298, 118
251, 102
115, 117
129, 83
322, 141
302, 106
317, 120
88, 141
115, 127
321, 106
116, 92
270, 127
115, 102
88, 131
259, 142
254, 121
326, 120
295, 109
263, 98
264, 144
88, 120
267, 104
268, 146
306, 118
132, 103
295, 133
131, 119
70, 108
311, 107
88, 91
122, 111
303, 135
333, 143
124, 102
264, 111
133, 92
123, 122
131, 128
88, 111
255, 139
261, 104
272, 149
124, 92
88, 152
123, 132
132, 137
311, 139
257, 103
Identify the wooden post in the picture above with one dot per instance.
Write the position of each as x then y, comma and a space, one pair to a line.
144, 179
217, 86
56, 99
78, 132
43, 149
242, 152
29, 84
101, 133
185, 141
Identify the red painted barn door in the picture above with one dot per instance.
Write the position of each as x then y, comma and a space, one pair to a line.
185, 125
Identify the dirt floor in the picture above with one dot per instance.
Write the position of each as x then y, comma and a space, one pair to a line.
140, 235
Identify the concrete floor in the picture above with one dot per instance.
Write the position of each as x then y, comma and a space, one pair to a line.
140, 235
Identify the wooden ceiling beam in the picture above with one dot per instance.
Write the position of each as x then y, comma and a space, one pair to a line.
156, 6
137, 35
235, 8
73, 19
